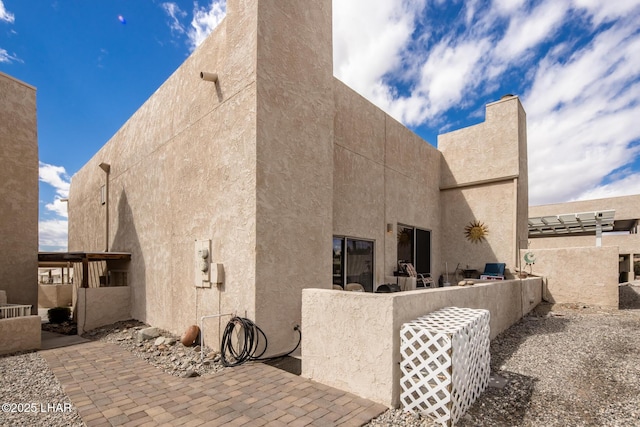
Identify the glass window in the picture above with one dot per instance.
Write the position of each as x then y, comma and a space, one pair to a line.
353, 262
338, 263
405, 243
414, 246
423, 251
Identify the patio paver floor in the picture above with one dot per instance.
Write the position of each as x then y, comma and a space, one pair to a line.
110, 386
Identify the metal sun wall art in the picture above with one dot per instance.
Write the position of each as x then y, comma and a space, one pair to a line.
476, 232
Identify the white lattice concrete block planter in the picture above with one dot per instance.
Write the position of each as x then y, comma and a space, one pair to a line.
445, 362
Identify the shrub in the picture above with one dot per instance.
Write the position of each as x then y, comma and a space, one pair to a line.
59, 314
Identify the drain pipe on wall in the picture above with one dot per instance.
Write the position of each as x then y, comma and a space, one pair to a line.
202, 330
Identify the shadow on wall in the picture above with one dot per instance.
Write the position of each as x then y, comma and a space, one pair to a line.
466, 248
126, 240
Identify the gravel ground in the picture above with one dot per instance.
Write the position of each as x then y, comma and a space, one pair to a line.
28, 388
565, 365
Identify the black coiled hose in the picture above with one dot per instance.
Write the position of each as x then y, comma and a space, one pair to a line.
249, 346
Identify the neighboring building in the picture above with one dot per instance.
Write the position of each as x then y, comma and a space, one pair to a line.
18, 192
275, 165
53, 274
623, 233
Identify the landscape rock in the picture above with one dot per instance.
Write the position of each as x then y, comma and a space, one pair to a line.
190, 374
190, 335
147, 334
172, 359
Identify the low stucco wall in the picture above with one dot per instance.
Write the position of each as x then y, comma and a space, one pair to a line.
587, 275
20, 334
50, 296
102, 306
351, 340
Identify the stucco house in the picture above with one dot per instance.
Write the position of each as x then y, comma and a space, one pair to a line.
554, 231
18, 216
18, 192
254, 160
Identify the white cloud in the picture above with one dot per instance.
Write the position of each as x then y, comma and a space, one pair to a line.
5, 57
626, 186
58, 207
52, 235
174, 12
375, 46
369, 40
507, 7
450, 69
53, 232
55, 176
205, 20
527, 29
5, 15
604, 11
582, 119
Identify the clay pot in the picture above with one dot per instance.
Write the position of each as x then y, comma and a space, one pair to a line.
190, 335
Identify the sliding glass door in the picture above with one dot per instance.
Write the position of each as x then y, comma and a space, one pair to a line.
414, 246
353, 262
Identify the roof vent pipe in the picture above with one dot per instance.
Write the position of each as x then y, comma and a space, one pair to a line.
210, 77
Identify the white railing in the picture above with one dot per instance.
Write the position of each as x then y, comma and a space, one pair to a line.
14, 310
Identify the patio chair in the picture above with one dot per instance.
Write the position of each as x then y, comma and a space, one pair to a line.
354, 287
423, 280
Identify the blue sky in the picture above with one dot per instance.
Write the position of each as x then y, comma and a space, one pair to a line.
432, 64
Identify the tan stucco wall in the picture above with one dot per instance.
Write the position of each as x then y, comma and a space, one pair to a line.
246, 163
484, 179
18, 192
627, 244
3, 297
579, 275
20, 334
383, 174
183, 168
54, 295
294, 156
351, 340
463, 206
102, 306
626, 207
487, 151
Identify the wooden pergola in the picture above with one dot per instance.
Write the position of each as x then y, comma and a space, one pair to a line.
48, 258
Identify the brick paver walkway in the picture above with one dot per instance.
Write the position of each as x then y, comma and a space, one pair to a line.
109, 386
